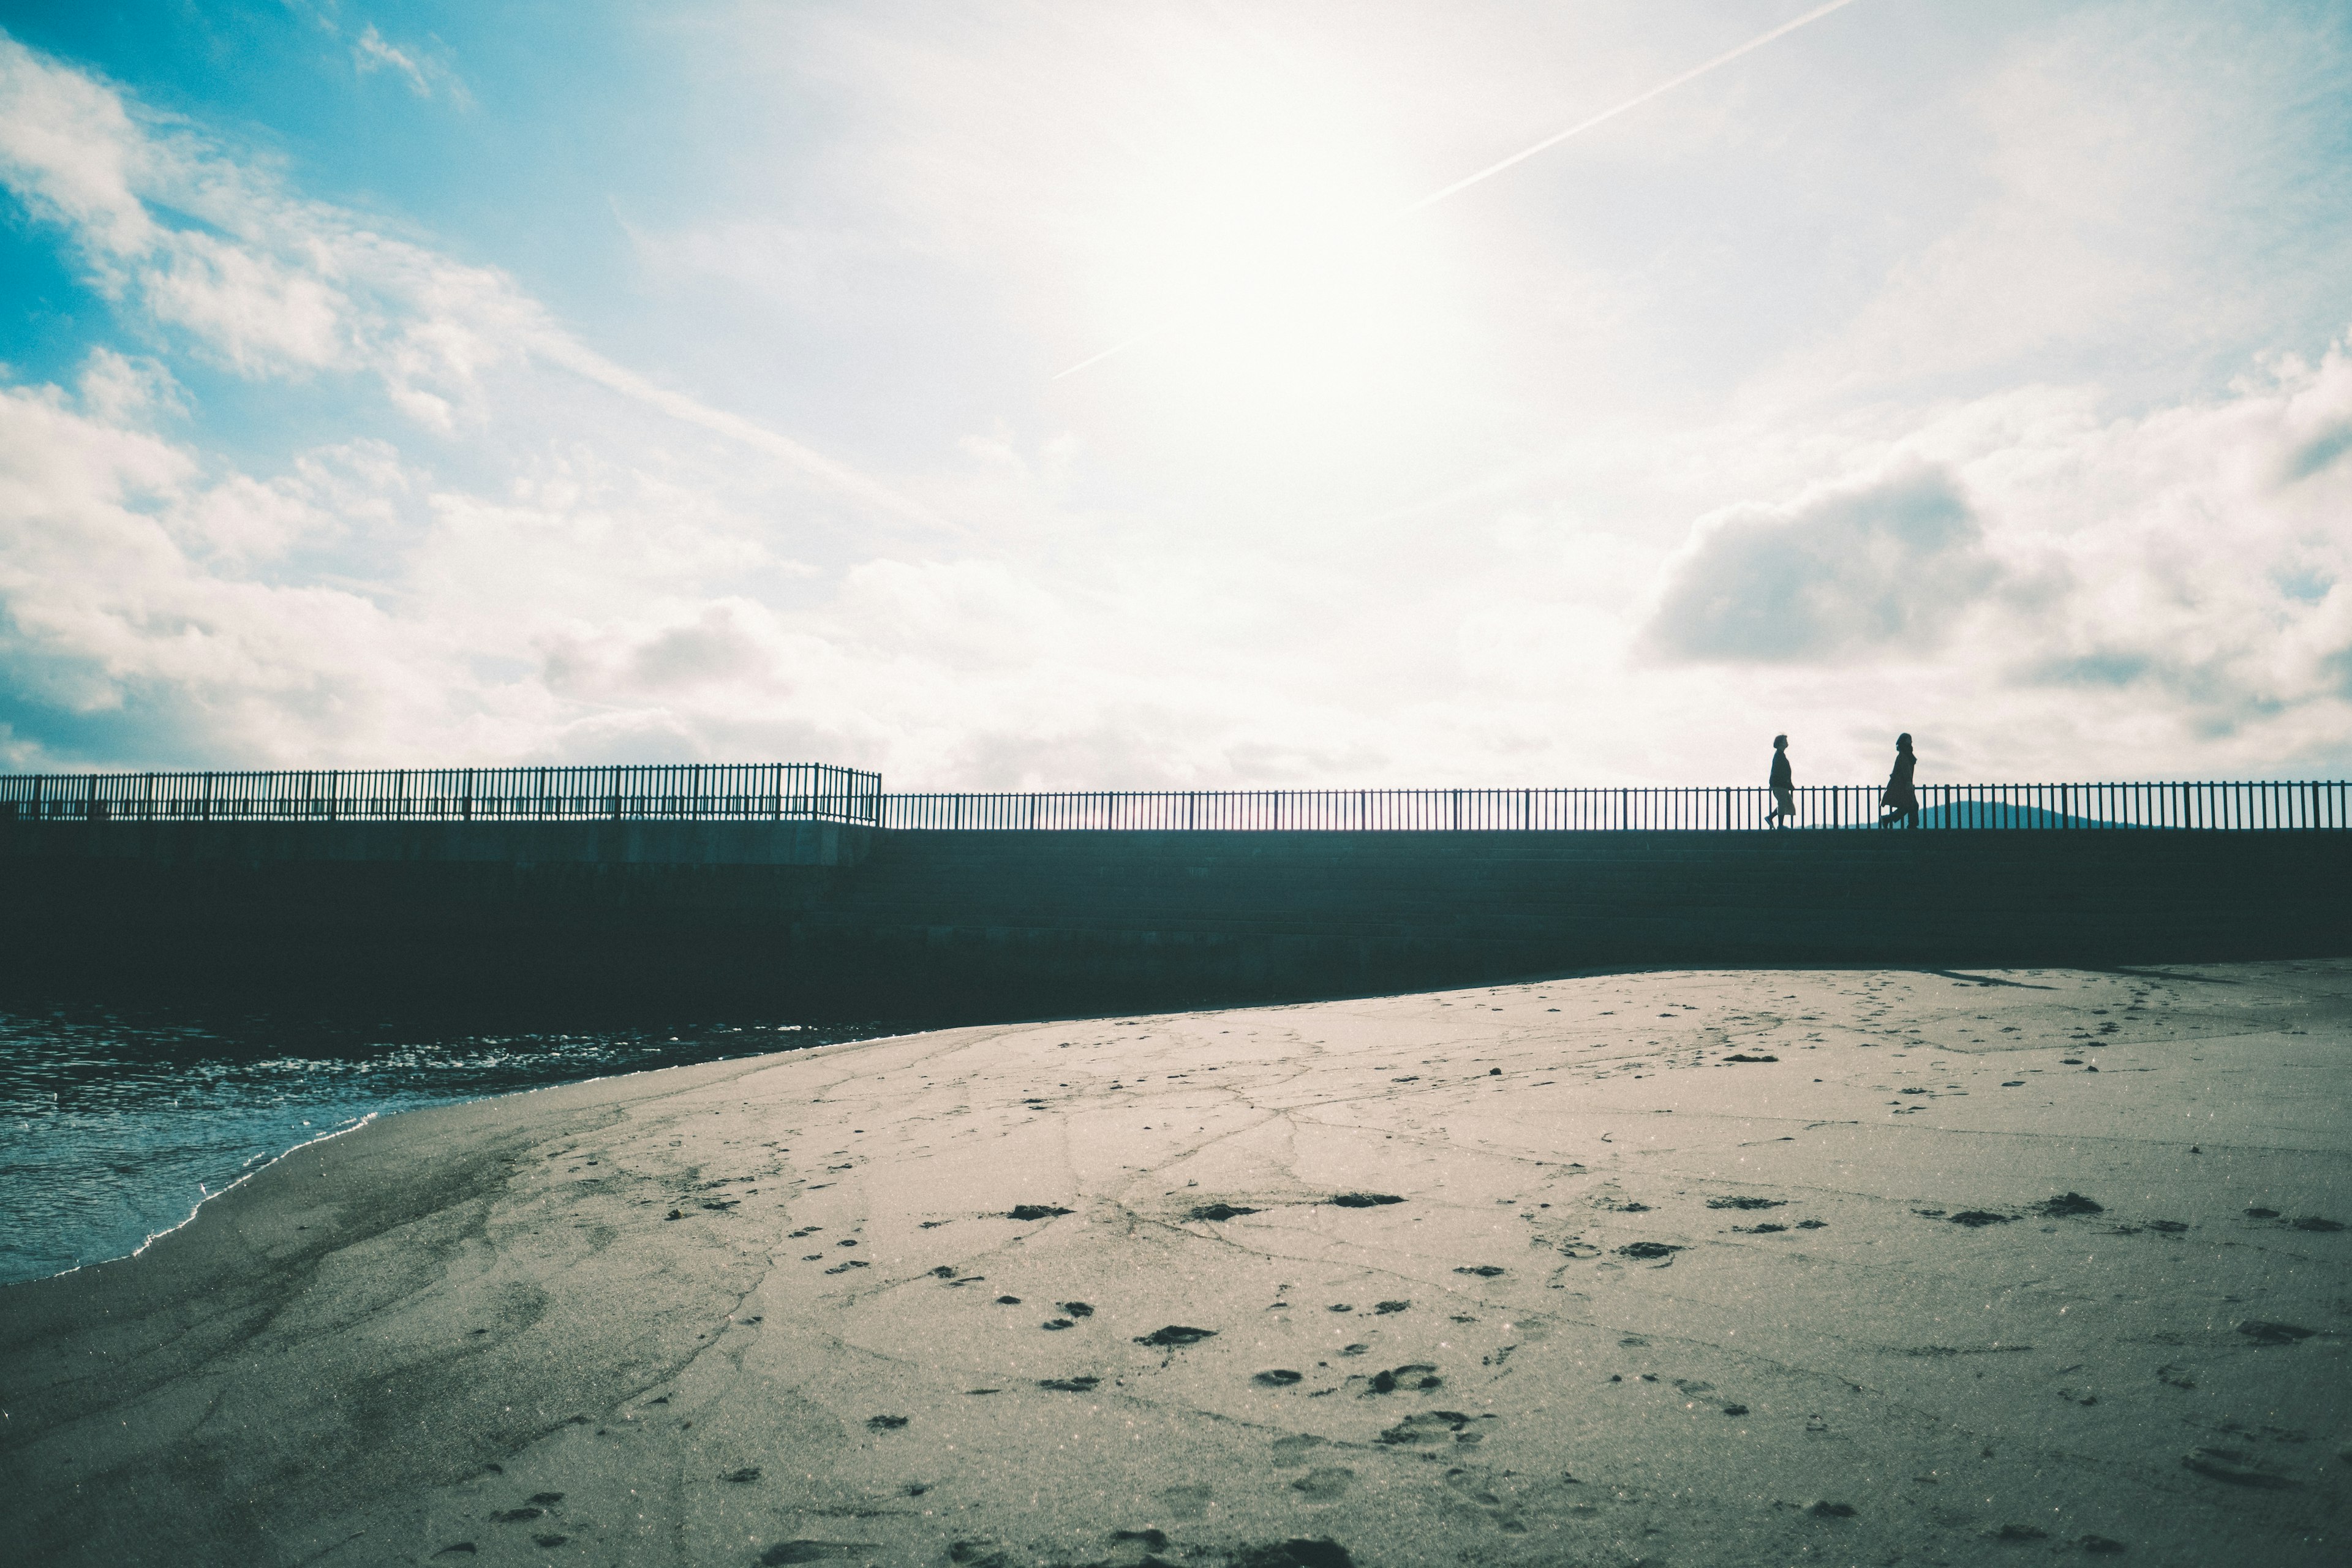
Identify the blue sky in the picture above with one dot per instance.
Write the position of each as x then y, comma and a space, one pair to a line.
405, 385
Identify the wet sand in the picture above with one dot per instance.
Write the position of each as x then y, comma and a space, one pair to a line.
1691, 1268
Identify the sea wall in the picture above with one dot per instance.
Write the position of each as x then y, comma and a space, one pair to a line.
828, 918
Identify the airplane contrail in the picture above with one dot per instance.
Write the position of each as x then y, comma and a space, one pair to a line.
1524, 153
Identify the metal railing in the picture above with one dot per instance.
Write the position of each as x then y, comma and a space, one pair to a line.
805, 791
2243, 806
688, 792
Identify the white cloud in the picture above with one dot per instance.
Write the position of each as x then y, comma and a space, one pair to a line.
119, 389
103, 607
1885, 567
275, 285
371, 52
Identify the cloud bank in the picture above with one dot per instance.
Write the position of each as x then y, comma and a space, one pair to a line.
320, 489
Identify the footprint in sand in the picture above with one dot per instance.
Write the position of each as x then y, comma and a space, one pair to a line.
2263, 1333
1325, 1483
1149, 1536
1414, 1375
2067, 1203
1175, 1336
2234, 1466
1186, 1502
1428, 1427
785, 1552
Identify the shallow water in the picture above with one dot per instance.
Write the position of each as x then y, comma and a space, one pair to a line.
115, 1123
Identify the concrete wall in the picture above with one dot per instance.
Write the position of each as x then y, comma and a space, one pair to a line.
822, 919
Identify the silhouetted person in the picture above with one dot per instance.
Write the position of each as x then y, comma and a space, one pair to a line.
1784, 784
1901, 801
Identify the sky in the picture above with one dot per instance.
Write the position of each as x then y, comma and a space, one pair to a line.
431, 384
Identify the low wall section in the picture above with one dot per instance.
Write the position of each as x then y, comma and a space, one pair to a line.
824, 918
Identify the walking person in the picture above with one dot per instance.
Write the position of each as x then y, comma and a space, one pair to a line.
1784, 785
1901, 801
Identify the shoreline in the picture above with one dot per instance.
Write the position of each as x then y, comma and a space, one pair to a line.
256, 1168
128, 1133
1712, 1267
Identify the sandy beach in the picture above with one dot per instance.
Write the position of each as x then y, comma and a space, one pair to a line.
1694, 1267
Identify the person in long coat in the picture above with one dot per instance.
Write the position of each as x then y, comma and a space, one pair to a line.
1901, 802
1784, 785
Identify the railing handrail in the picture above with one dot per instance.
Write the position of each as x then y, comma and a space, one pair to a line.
2240, 804
658, 792
821, 792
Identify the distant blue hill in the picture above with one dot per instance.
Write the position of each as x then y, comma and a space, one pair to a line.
2003, 816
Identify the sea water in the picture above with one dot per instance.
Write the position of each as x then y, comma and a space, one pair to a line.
115, 1124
